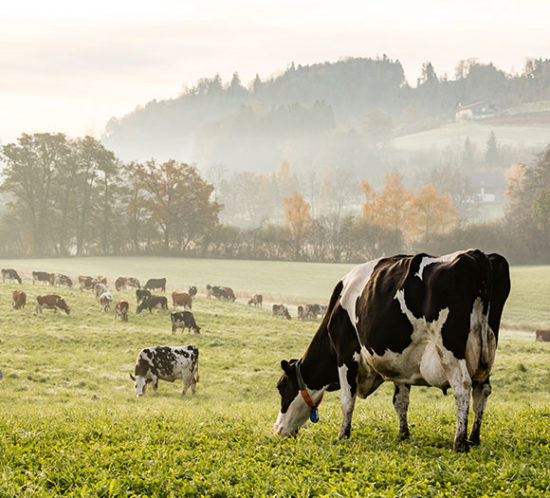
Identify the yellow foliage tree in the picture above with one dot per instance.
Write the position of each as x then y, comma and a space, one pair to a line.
432, 213
368, 208
398, 208
297, 218
392, 207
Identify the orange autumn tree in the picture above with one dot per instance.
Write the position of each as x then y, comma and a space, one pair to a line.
297, 219
433, 213
399, 209
391, 207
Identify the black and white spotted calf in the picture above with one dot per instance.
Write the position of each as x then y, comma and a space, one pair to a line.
411, 320
183, 320
166, 363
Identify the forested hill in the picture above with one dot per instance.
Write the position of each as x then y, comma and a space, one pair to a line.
254, 128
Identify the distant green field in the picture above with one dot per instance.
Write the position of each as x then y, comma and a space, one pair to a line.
527, 308
70, 424
454, 134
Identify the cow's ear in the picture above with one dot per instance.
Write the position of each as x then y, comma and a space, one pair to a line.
285, 365
132, 377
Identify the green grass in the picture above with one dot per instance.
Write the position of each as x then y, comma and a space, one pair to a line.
70, 424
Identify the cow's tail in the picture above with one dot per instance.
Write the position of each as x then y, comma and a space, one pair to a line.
485, 295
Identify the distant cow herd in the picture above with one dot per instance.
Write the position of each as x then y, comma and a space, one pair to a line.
153, 363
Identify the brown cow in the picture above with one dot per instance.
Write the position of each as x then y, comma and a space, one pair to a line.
542, 335
121, 310
52, 302
87, 283
101, 279
182, 299
19, 299
121, 283
256, 300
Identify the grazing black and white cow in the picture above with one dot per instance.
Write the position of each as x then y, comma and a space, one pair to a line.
10, 274
133, 282
166, 363
155, 283
151, 302
411, 320
142, 294
280, 311
183, 320
60, 279
221, 293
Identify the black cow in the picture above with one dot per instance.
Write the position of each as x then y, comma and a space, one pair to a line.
42, 276
192, 291
311, 311
156, 283
412, 320
151, 302
184, 319
142, 294
10, 274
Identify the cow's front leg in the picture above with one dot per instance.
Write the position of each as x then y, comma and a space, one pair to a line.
480, 394
401, 405
155, 382
347, 373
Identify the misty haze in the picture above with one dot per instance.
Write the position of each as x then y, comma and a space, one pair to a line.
225, 225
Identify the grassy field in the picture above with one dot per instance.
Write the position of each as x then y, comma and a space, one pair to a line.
528, 306
70, 424
454, 135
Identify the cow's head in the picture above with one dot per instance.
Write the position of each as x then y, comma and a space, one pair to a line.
140, 384
64, 306
141, 306
294, 411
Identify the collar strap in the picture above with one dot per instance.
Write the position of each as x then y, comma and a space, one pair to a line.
303, 388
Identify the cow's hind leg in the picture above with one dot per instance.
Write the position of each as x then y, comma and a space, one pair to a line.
461, 384
401, 405
480, 394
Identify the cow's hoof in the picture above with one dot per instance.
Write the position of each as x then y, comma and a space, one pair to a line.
461, 446
345, 434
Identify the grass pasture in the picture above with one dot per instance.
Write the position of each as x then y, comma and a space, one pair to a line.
70, 424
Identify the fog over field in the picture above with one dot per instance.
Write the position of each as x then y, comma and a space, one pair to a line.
238, 159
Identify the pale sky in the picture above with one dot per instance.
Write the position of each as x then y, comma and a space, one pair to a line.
69, 66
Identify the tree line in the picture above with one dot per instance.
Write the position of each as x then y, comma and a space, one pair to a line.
237, 124
74, 197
